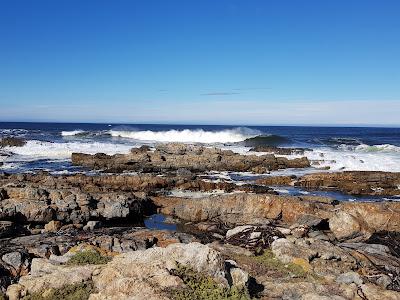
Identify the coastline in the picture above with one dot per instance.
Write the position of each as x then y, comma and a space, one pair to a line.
162, 208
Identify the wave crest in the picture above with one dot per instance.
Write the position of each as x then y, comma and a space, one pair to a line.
378, 148
72, 133
190, 136
266, 140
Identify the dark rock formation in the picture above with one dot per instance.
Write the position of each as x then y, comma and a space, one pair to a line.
193, 158
12, 142
354, 182
280, 150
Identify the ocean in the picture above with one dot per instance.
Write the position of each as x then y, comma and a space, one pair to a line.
49, 145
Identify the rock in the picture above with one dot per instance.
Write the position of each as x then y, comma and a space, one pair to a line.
384, 281
287, 251
354, 182
175, 156
14, 291
373, 292
280, 150
246, 208
277, 180
315, 296
7, 229
299, 230
12, 142
45, 275
239, 277
146, 273
91, 225
348, 227
349, 277
16, 262
310, 221
52, 226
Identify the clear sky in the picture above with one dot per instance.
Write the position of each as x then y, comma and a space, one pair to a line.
205, 61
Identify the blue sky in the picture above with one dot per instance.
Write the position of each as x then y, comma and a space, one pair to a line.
212, 62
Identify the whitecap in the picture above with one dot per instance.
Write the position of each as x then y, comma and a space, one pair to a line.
190, 136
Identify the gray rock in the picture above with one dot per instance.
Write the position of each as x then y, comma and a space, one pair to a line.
384, 281
349, 277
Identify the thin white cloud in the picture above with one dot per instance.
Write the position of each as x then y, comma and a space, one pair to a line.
352, 112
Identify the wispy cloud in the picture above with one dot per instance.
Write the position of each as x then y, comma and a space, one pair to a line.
220, 94
251, 89
234, 91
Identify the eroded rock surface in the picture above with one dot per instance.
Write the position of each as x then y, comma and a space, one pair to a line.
354, 182
194, 158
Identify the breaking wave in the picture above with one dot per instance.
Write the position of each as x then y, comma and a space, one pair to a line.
190, 136
72, 133
34, 149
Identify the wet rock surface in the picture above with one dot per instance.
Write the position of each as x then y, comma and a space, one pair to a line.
354, 183
280, 150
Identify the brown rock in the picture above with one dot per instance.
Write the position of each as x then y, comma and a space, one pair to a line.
52, 226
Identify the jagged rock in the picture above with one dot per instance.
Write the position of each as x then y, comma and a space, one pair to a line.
354, 182
111, 239
277, 180
16, 262
45, 275
280, 150
52, 226
146, 273
242, 208
194, 158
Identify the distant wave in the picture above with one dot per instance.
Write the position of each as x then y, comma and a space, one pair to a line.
72, 133
234, 135
83, 133
266, 140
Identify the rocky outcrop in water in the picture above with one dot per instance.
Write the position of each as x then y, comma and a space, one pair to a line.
194, 158
280, 150
354, 182
12, 142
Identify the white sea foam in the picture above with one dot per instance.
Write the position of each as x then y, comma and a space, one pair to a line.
356, 160
190, 136
72, 133
34, 149
378, 148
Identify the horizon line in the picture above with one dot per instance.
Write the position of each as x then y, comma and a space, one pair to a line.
359, 125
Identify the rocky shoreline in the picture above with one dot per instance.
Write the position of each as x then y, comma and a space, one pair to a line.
86, 235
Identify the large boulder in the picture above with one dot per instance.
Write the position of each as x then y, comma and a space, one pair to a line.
348, 227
